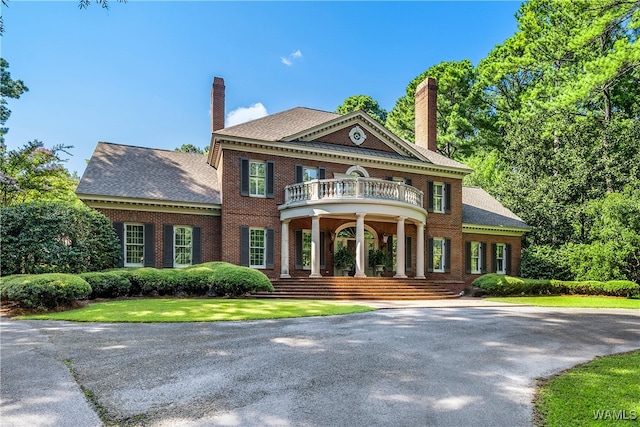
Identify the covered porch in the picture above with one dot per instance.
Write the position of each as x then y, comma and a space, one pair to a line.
359, 213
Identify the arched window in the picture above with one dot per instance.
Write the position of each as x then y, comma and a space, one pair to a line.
357, 171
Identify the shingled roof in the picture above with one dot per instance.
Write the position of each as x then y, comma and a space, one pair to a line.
124, 171
276, 127
480, 208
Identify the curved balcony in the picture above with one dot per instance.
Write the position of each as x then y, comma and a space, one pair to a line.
351, 189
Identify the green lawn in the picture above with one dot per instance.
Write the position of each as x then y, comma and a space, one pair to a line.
571, 301
199, 310
604, 392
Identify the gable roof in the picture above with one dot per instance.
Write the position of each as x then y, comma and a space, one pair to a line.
298, 125
124, 171
480, 208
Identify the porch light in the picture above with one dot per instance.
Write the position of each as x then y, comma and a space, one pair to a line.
385, 237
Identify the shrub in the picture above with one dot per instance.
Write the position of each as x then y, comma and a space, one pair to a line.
545, 262
56, 237
44, 290
108, 284
229, 279
152, 281
501, 285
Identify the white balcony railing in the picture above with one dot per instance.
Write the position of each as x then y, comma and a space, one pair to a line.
352, 188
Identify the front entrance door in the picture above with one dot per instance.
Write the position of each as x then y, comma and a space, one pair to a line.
347, 237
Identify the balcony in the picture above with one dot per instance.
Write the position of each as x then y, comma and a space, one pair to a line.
351, 189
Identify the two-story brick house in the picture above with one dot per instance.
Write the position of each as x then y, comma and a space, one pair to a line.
284, 192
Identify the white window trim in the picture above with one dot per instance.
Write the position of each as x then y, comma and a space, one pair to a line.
175, 265
264, 248
133, 264
504, 258
478, 269
306, 168
442, 241
443, 208
264, 178
359, 170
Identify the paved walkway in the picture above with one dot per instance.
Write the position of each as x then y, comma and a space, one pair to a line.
438, 366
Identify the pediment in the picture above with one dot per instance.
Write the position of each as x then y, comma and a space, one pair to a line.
357, 129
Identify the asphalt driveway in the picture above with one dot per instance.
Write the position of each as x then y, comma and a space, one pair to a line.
401, 367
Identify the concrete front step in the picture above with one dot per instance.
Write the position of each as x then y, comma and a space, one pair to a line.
346, 288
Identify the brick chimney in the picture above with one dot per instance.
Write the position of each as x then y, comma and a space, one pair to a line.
426, 105
217, 104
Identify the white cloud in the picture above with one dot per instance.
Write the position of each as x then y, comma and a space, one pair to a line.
244, 114
288, 60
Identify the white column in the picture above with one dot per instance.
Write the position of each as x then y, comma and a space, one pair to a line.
360, 246
420, 251
315, 246
284, 250
400, 252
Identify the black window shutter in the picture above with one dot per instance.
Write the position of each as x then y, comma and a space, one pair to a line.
196, 245
430, 254
298, 248
447, 198
149, 245
390, 249
244, 246
244, 176
508, 258
447, 257
299, 176
270, 178
389, 178
467, 257
322, 245
494, 261
407, 181
429, 196
119, 229
322, 173
483, 260
270, 245
167, 249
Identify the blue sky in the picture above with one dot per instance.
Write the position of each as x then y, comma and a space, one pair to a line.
141, 72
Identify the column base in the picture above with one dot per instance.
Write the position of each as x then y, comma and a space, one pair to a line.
315, 275
285, 276
420, 277
400, 276
360, 275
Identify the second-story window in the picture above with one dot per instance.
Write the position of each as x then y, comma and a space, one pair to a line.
438, 197
309, 174
257, 179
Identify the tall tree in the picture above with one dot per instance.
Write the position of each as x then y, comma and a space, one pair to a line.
8, 89
459, 109
366, 104
34, 172
564, 96
190, 148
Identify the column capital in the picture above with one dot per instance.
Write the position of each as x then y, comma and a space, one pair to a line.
360, 214
401, 218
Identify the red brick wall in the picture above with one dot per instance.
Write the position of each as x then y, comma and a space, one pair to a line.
341, 137
210, 228
488, 239
238, 211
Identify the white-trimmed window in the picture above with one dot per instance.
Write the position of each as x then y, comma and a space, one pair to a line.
257, 178
309, 174
134, 245
501, 262
438, 197
476, 257
182, 246
438, 255
257, 247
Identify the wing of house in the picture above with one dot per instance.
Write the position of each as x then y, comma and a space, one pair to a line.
285, 192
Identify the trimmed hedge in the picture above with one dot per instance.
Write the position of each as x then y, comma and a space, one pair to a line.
501, 285
213, 278
44, 290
